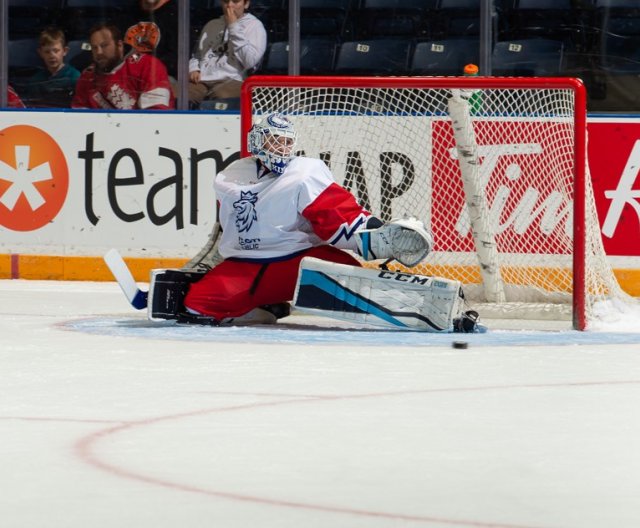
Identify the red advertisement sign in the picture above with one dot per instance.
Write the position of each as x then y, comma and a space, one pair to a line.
614, 160
528, 205
533, 212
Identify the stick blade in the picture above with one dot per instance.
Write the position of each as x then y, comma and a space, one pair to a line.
123, 276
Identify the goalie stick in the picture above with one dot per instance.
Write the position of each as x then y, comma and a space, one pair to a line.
207, 258
122, 274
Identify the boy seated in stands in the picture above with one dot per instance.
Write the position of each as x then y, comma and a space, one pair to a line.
54, 84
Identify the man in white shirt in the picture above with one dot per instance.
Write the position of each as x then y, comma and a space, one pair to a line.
228, 49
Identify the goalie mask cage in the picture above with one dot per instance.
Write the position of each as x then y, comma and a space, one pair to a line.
496, 167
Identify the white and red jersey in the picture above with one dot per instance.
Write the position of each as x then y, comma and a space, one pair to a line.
268, 217
139, 82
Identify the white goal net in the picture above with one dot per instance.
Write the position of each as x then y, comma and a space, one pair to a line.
495, 167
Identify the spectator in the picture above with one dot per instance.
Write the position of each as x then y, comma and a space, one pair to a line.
165, 15
113, 80
228, 49
13, 99
54, 84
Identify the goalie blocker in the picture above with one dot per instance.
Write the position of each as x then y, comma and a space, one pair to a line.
167, 290
382, 298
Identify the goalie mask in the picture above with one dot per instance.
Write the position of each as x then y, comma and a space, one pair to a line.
273, 141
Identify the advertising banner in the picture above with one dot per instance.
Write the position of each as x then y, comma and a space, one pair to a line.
80, 183
76, 184
614, 159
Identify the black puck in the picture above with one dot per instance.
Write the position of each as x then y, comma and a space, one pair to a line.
460, 344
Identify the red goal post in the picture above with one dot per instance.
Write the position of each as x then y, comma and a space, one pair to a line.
496, 167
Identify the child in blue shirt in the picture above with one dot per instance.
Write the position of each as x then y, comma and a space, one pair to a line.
53, 85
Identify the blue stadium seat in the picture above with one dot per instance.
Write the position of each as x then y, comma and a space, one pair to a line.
78, 16
617, 4
274, 16
618, 16
394, 18
204, 4
529, 57
24, 61
23, 54
36, 3
618, 48
551, 19
201, 11
325, 18
457, 18
620, 54
102, 4
374, 57
79, 55
28, 17
444, 57
316, 57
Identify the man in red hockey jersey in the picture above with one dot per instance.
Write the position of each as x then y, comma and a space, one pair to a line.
115, 81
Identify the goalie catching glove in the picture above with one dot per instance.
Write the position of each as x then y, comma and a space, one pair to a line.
405, 239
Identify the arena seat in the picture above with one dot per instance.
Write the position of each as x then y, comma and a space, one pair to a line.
397, 18
316, 57
444, 57
457, 18
618, 47
78, 16
27, 17
374, 57
79, 55
551, 19
274, 16
325, 18
528, 57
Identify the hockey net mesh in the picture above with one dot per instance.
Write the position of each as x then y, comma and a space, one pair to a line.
394, 148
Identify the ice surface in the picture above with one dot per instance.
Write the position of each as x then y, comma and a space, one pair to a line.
107, 420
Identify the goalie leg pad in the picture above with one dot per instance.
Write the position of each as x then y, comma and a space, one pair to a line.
378, 297
167, 289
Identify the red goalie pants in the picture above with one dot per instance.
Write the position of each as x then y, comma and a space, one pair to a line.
233, 288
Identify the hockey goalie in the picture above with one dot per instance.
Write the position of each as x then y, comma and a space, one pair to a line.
288, 232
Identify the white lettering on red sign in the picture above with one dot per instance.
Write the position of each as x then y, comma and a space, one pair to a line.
554, 208
623, 194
